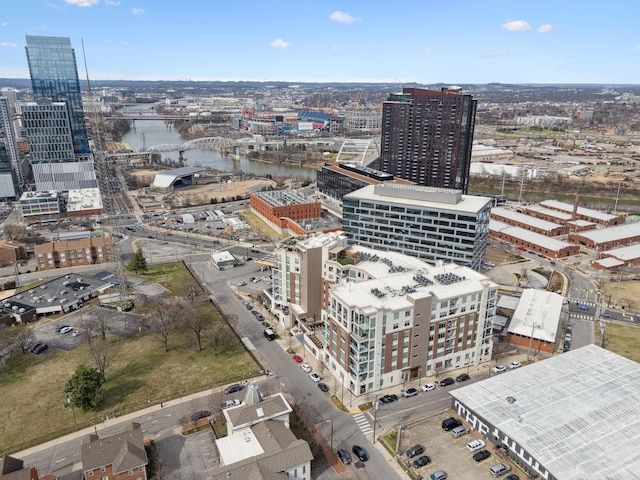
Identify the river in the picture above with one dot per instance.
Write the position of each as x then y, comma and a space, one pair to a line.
150, 133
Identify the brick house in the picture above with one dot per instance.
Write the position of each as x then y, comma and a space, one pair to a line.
116, 457
12, 468
12, 251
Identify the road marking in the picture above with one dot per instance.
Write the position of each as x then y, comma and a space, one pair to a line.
363, 423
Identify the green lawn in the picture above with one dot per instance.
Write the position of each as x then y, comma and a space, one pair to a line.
33, 407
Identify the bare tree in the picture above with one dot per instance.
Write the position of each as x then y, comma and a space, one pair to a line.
23, 337
194, 294
88, 325
215, 402
101, 323
196, 320
220, 335
103, 354
160, 322
7, 348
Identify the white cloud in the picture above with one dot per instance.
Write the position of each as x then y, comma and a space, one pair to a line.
342, 17
111, 3
430, 49
336, 48
4, 24
123, 43
500, 53
517, 26
546, 28
82, 3
279, 43
137, 11
7, 44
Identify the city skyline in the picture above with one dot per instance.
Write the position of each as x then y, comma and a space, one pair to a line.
422, 42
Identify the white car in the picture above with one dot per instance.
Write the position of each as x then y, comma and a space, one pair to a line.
513, 365
76, 333
475, 445
427, 387
498, 369
306, 367
315, 377
66, 329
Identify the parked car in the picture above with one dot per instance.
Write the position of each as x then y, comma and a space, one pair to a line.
40, 348
323, 387
463, 377
460, 431
447, 381
499, 469
234, 387
415, 451
513, 365
583, 307
427, 387
66, 329
242, 284
297, 359
306, 367
499, 369
344, 456
422, 461
315, 377
388, 398
360, 452
475, 445
77, 332
410, 392
450, 423
439, 475
481, 455
232, 403
201, 414
34, 346
513, 476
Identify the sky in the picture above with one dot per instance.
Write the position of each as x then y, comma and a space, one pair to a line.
422, 41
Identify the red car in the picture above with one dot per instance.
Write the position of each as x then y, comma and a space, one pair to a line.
297, 359
522, 249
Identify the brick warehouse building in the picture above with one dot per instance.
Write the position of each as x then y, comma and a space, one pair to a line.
283, 210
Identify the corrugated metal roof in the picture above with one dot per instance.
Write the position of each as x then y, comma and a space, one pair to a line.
577, 413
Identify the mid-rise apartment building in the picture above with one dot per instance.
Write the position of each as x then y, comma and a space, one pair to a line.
425, 222
391, 318
71, 253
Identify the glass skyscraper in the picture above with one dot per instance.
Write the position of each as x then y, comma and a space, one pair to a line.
54, 76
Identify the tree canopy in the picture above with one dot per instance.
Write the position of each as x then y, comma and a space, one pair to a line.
84, 388
138, 263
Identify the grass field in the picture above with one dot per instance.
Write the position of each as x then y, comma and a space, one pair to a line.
33, 406
621, 339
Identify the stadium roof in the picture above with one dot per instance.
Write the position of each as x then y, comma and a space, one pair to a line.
578, 413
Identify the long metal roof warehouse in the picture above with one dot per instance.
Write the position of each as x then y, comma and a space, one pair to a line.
574, 416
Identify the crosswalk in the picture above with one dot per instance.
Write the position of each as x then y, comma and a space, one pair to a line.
363, 421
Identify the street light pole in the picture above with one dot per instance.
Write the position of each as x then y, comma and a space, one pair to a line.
331, 440
73, 410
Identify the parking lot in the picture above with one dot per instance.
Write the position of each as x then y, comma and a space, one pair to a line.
446, 452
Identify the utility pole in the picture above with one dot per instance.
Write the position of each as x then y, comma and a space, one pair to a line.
331, 440
376, 405
73, 410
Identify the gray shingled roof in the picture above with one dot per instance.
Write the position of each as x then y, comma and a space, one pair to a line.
124, 451
248, 414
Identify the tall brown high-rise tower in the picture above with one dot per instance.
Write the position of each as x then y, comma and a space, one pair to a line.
427, 136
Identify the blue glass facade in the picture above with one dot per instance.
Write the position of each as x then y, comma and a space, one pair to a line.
54, 75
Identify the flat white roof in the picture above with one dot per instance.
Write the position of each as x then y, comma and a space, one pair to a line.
630, 252
421, 196
393, 271
581, 223
567, 207
168, 177
84, 199
619, 232
537, 315
550, 213
609, 262
238, 446
577, 413
508, 301
527, 236
524, 219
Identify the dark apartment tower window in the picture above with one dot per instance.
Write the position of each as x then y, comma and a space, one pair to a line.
427, 137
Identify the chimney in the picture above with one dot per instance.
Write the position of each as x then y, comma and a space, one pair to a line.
575, 207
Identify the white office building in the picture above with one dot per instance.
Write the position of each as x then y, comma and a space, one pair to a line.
425, 222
